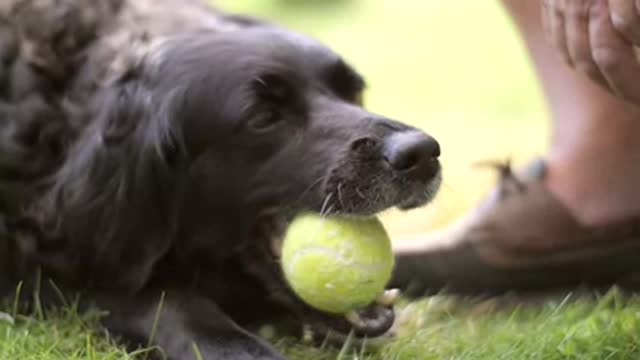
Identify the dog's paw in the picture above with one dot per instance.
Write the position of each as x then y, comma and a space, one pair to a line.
373, 321
377, 318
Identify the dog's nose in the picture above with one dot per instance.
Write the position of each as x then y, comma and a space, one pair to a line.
411, 151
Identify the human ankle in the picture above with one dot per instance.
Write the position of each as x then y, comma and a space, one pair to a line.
596, 175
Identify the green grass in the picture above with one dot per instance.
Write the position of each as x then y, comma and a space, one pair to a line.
564, 328
62, 335
439, 327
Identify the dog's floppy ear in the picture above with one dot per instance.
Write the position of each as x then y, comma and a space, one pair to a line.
117, 185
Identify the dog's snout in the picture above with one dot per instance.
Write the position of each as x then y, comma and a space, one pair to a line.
411, 151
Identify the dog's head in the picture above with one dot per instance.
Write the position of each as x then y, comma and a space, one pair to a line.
273, 124
275, 119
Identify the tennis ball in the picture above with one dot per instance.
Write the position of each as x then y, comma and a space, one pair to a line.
337, 264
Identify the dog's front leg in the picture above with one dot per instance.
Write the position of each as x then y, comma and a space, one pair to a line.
183, 325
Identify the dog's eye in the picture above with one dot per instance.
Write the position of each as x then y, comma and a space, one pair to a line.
264, 121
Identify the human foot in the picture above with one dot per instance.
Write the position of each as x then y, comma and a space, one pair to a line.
522, 237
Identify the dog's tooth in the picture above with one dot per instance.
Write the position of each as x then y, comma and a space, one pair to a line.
355, 319
389, 297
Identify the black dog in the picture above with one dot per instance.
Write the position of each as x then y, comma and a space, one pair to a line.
151, 147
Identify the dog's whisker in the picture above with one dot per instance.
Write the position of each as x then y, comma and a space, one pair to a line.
328, 211
325, 203
308, 189
326, 208
260, 81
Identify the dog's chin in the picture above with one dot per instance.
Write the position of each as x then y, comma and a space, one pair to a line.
423, 196
353, 198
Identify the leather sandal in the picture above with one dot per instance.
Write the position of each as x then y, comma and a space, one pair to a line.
520, 238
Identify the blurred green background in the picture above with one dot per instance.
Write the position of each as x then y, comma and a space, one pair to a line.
455, 68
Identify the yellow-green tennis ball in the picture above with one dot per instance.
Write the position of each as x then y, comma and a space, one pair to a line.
337, 264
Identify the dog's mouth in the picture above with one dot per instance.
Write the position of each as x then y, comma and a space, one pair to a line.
371, 321
346, 196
